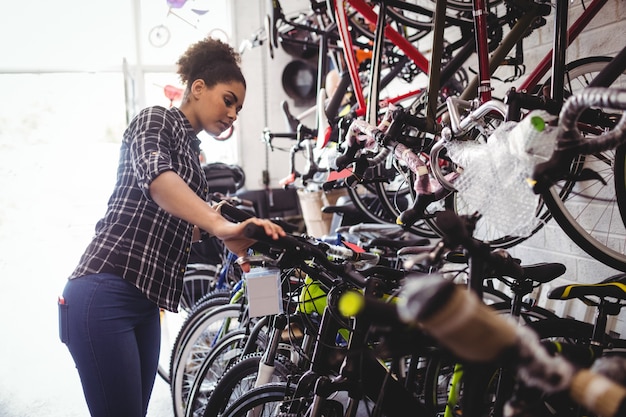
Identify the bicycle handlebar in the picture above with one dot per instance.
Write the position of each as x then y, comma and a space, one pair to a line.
473, 331
300, 248
570, 141
568, 133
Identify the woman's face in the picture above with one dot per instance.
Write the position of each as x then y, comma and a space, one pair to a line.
217, 107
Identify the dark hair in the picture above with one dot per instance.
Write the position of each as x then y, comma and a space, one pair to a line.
212, 61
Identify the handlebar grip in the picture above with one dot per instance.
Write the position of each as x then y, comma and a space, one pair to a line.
256, 232
456, 317
376, 311
409, 217
457, 233
234, 213
332, 108
418, 122
598, 394
290, 120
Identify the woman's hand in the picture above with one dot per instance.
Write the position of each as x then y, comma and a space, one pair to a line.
236, 242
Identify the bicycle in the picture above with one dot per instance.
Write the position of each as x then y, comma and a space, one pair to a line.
469, 123
331, 110
569, 144
589, 339
483, 336
355, 377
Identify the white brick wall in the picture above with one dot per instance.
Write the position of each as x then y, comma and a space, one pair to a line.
605, 35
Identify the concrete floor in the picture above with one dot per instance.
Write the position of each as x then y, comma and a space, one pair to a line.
49, 206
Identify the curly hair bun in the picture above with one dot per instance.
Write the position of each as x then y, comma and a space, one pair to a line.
210, 60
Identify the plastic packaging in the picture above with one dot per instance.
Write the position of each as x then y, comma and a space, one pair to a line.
494, 175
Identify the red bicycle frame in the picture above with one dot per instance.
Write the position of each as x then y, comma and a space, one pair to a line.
485, 67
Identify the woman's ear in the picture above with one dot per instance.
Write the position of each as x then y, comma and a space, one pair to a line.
197, 87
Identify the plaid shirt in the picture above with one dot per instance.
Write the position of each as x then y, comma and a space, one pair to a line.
136, 239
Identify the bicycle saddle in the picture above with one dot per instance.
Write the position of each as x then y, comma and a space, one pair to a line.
612, 287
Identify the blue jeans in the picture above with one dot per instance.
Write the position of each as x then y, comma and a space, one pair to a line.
113, 333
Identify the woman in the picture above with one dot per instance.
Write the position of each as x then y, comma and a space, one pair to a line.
109, 311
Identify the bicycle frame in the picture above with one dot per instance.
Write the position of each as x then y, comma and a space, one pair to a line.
480, 86
370, 15
486, 66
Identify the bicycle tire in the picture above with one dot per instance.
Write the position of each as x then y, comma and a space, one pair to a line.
226, 353
240, 378
166, 318
413, 27
197, 345
620, 180
589, 213
197, 284
269, 397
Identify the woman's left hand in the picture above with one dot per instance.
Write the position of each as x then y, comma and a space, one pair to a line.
237, 243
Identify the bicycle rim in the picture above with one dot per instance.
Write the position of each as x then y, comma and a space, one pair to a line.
412, 26
226, 352
592, 213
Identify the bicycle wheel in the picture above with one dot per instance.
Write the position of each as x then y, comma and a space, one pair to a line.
204, 307
197, 283
444, 378
173, 323
265, 400
197, 345
238, 379
413, 25
589, 211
